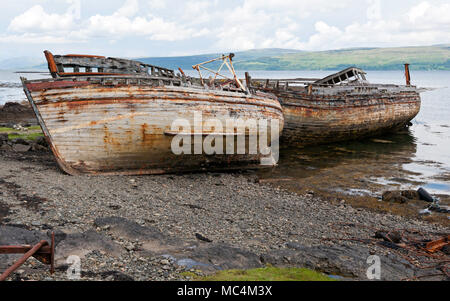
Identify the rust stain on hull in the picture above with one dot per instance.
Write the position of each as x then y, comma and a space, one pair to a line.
318, 113
322, 122
119, 129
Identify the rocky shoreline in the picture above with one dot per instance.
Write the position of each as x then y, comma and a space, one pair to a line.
160, 227
171, 227
13, 113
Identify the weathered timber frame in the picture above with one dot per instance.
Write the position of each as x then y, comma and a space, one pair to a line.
92, 65
343, 76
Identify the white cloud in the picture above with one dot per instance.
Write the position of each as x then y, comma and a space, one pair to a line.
157, 4
269, 23
129, 9
300, 24
423, 24
124, 22
36, 19
425, 15
374, 10
28, 38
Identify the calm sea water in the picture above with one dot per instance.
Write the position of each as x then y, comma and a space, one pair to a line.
429, 137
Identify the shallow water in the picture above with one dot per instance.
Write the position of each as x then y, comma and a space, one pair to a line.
419, 156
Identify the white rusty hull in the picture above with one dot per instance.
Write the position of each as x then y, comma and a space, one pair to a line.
122, 129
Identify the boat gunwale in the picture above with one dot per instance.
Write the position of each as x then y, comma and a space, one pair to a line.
267, 100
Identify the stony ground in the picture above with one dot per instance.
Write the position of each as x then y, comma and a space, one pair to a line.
159, 227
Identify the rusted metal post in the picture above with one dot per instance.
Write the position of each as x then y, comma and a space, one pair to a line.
41, 251
22, 260
407, 75
248, 80
52, 254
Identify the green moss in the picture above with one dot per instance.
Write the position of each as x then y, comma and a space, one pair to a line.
5, 130
267, 274
34, 128
189, 274
25, 136
32, 133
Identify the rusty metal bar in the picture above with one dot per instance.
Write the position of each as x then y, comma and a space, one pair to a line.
23, 249
407, 75
436, 245
42, 251
51, 63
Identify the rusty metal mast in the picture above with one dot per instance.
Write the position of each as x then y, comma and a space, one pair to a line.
227, 60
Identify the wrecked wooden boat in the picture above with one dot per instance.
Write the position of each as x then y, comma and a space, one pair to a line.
113, 116
342, 106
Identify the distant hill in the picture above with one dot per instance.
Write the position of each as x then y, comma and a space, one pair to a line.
421, 58
20, 63
242, 57
435, 57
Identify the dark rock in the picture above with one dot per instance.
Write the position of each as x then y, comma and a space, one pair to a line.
424, 195
6, 147
41, 141
10, 235
3, 138
393, 236
116, 276
59, 236
202, 238
220, 257
129, 229
347, 261
4, 210
208, 257
38, 147
390, 245
114, 207
15, 107
411, 194
21, 148
394, 197
20, 141
400, 196
80, 244
153, 241
13, 113
446, 249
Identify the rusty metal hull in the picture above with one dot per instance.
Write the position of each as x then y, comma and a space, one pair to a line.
122, 128
320, 118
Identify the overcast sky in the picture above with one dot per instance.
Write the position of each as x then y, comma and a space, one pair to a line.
136, 28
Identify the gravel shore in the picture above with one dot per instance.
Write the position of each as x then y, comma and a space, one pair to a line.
157, 227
